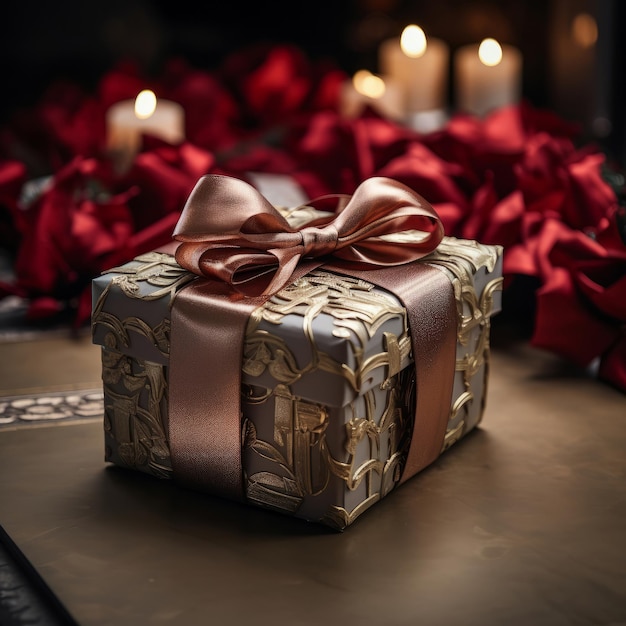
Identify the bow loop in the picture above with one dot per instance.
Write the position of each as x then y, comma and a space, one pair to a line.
230, 232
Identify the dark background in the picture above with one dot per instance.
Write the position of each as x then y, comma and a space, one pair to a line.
44, 41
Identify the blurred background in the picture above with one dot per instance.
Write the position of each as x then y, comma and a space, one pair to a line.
573, 50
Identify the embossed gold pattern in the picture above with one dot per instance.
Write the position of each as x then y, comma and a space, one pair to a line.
305, 463
463, 259
312, 456
135, 390
135, 407
155, 268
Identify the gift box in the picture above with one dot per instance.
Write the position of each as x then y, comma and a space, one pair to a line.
313, 392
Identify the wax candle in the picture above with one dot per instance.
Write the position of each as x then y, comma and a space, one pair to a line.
127, 121
487, 76
366, 89
420, 66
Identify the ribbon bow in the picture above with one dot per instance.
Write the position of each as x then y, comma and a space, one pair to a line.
230, 232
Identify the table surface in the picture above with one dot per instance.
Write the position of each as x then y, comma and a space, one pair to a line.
522, 522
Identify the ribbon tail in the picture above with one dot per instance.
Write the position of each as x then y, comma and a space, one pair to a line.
208, 330
428, 296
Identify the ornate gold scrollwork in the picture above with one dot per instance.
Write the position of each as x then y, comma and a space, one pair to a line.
155, 268
474, 319
301, 441
135, 395
135, 390
462, 263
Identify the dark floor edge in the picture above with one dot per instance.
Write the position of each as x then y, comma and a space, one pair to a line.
25, 598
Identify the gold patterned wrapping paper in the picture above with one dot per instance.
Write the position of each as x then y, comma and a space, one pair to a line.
327, 379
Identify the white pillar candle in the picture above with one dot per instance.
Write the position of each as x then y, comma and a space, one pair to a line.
367, 89
420, 66
487, 76
128, 120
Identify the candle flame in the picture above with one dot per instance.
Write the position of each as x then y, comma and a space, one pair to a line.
413, 41
584, 30
145, 104
368, 84
490, 52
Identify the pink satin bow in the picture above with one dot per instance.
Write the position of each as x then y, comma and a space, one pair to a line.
230, 232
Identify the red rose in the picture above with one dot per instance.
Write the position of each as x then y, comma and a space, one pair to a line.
12, 178
71, 233
581, 304
163, 177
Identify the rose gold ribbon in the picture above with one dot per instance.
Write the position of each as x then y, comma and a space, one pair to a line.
230, 232
209, 321
208, 330
432, 317
428, 297
209, 317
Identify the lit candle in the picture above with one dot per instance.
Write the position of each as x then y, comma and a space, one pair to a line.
367, 89
487, 76
420, 65
128, 120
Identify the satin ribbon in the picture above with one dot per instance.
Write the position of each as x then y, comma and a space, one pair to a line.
230, 232
428, 297
208, 331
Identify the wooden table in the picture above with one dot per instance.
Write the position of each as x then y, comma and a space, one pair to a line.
523, 522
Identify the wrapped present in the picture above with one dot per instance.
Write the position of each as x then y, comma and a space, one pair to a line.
300, 360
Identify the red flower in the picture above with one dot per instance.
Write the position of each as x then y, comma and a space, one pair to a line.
581, 303
212, 115
278, 84
279, 87
432, 177
64, 124
515, 178
558, 180
494, 220
163, 177
72, 232
12, 178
